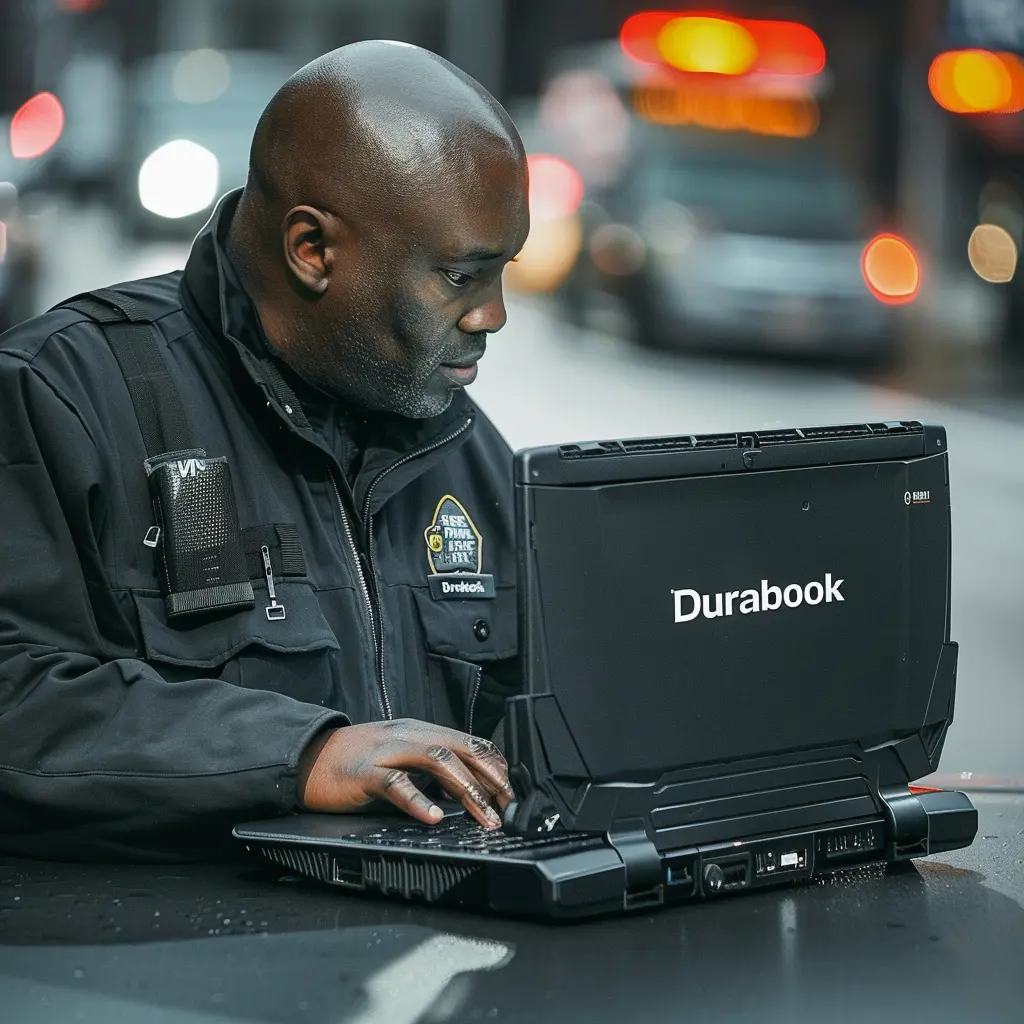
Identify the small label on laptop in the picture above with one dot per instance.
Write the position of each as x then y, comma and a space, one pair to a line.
461, 586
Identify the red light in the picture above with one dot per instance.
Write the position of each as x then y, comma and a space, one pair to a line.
36, 126
639, 35
924, 789
783, 47
786, 48
891, 269
556, 188
80, 6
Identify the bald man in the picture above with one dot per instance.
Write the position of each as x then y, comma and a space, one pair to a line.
257, 552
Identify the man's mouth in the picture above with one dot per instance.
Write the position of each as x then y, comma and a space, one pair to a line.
460, 373
463, 371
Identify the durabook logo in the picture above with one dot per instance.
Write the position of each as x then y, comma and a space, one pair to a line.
689, 604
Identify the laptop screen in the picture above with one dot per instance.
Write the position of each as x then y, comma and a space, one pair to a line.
700, 619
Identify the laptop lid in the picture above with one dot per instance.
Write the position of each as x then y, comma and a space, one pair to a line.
701, 599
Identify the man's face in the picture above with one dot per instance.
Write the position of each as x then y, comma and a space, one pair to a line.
404, 328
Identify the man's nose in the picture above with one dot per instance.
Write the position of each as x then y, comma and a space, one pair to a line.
487, 316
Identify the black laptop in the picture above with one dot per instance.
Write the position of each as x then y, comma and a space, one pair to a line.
737, 659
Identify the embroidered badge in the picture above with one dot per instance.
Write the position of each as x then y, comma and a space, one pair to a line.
455, 554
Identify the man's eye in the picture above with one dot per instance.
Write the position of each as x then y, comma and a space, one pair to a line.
457, 279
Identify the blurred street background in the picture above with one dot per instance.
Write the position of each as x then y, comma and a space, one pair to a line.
743, 214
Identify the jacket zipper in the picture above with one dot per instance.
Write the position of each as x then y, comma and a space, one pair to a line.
472, 700
364, 587
367, 579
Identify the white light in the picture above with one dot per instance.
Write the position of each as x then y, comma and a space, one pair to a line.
178, 179
201, 76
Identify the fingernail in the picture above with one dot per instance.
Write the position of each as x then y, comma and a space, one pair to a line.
492, 818
435, 812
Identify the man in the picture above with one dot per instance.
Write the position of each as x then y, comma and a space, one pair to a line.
320, 337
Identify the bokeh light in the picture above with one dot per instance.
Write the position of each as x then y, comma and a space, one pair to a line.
715, 46
702, 43
617, 250
178, 179
977, 81
891, 269
80, 6
556, 236
36, 126
201, 76
556, 188
993, 253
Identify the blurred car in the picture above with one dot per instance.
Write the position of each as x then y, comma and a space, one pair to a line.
189, 128
710, 244
712, 210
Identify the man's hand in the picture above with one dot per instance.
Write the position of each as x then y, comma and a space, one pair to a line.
351, 766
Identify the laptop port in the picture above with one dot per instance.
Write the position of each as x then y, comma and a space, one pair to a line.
734, 876
679, 874
348, 871
726, 874
781, 861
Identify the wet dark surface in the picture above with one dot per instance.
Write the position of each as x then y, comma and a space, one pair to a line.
940, 941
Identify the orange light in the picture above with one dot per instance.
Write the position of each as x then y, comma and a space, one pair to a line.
891, 269
36, 126
556, 188
733, 109
715, 46
703, 43
977, 82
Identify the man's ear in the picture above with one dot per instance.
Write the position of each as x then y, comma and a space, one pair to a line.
309, 247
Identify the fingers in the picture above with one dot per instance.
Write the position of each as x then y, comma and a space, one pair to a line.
486, 761
461, 783
396, 786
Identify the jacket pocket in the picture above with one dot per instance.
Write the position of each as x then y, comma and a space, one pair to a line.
464, 639
291, 655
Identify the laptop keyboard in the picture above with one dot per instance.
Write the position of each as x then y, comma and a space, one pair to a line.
462, 835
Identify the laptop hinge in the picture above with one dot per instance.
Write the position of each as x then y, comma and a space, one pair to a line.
908, 823
644, 875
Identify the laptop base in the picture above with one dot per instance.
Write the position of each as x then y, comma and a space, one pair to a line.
574, 875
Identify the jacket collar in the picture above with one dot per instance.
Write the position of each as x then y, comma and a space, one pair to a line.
213, 295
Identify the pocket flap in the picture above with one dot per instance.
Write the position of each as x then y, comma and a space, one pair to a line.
211, 643
453, 628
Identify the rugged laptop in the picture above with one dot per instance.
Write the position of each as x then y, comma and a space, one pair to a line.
736, 656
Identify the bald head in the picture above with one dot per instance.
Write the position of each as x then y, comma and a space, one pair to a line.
373, 119
385, 186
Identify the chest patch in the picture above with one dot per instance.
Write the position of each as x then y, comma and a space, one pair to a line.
455, 554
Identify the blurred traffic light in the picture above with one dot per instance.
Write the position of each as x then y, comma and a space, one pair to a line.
891, 269
36, 126
977, 82
721, 45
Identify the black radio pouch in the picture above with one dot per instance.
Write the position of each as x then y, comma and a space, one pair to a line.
198, 542
198, 539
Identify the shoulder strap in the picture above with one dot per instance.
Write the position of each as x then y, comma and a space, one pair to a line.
136, 343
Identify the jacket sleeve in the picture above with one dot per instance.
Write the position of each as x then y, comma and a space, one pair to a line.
100, 757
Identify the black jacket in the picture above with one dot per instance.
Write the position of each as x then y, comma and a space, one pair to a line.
124, 734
